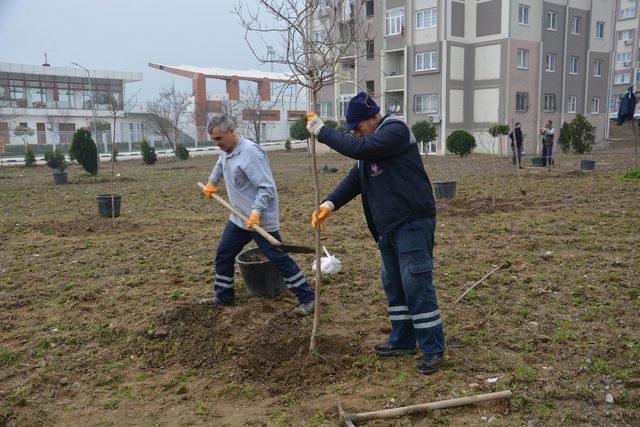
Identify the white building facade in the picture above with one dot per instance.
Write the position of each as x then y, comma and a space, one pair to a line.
43, 106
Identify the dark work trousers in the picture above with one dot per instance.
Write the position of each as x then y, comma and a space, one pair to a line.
516, 152
407, 277
233, 240
547, 154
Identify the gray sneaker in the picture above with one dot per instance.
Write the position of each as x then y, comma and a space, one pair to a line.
215, 301
305, 309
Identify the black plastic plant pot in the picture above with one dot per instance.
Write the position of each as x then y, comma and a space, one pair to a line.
104, 205
537, 162
445, 189
60, 178
261, 277
587, 165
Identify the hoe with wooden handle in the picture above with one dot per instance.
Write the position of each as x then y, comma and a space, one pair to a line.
350, 419
275, 242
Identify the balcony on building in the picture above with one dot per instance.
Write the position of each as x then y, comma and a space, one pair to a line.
393, 70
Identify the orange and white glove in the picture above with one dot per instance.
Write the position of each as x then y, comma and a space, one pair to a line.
209, 189
314, 123
254, 219
318, 217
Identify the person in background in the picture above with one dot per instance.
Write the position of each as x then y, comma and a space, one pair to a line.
516, 146
548, 134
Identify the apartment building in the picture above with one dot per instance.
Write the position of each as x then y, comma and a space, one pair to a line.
468, 64
625, 50
45, 105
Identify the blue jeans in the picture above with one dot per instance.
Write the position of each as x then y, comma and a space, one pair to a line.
233, 240
407, 277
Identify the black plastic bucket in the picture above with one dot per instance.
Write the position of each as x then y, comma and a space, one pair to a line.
587, 165
537, 162
60, 178
104, 204
261, 277
445, 189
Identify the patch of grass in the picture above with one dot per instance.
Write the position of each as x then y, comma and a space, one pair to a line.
326, 318
600, 366
525, 373
622, 375
279, 417
182, 389
631, 174
177, 294
7, 358
470, 340
317, 419
42, 345
233, 390
544, 412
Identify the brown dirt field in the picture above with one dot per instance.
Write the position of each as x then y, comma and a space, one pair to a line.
101, 324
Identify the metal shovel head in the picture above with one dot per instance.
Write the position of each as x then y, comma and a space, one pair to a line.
294, 249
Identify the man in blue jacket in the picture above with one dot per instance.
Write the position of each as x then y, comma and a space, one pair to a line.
401, 215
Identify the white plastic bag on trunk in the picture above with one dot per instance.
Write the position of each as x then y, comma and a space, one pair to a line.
329, 264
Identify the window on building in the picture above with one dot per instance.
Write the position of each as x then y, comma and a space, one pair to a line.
324, 109
427, 18
426, 103
576, 24
573, 65
523, 14
597, 67
627, 13
320, 36
625, 35
550, 62
370, 54
552, 20
343, 104
600, 30
523, 58
371, 86
595, 105
368, 8
16, 89
426, 61
572, 103
549, 102
623, 57
394, 22
622, 78
522, 101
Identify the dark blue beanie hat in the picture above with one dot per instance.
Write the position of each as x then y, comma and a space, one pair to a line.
361, 107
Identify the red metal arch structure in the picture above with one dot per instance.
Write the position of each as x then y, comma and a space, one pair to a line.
199, 76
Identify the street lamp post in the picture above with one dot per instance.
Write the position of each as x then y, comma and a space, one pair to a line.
93, 107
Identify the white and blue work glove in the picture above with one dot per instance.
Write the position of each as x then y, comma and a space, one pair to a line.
314, 123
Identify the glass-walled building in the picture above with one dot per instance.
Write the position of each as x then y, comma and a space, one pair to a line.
45, 105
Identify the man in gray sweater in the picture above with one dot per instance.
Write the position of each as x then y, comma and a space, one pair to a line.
251, 189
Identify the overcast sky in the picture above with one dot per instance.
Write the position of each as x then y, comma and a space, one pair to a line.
125, 35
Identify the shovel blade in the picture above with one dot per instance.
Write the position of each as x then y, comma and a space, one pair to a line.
294, 249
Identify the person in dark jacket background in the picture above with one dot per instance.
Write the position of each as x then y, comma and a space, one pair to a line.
516, 146
401, 215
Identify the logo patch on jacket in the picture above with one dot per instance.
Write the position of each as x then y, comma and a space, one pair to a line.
375, 170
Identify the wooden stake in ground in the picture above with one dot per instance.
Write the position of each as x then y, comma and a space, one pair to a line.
349, 419
503, 264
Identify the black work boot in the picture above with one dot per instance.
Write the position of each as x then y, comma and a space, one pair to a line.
430, 363
385, 350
